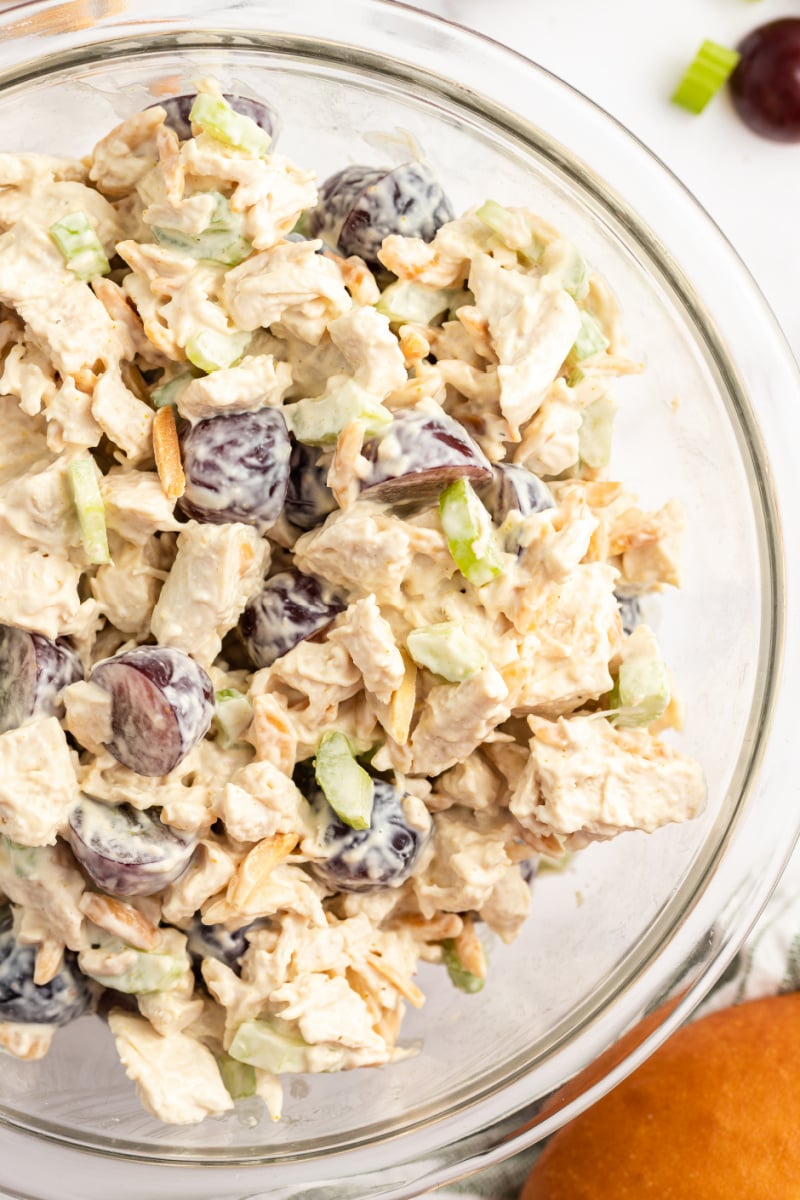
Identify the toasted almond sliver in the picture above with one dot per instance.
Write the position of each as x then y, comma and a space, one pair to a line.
164, 340
49, 960
26, 1042
408, 990
256, 868
169, 147
435, 929
470, 951
343, 479
168, 453
401, 705
119, 919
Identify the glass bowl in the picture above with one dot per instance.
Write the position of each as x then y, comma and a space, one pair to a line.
639, 926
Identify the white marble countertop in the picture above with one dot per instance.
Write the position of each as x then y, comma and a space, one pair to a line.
628, 56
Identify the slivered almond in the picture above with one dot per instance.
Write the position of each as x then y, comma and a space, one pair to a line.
402, 703
168, 146
434, 929
164, 340
272, 733
409, 990
168, 453
469, 950
601, 493
49, 960
360, 986
26, 1042
388, 1026
256, 867
413, 345
343, 477
119, 919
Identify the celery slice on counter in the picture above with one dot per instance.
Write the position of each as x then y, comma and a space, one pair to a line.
215, 116
239, 1078
347, 786
642, 692
221, 241
83, 478
318, 422
80, 246
708, 71
233, 712
446, 650
412, 303
460, 977
590, 340
470, 533
596, 432
212, 351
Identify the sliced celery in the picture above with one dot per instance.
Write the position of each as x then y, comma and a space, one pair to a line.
460, 977
168, 393
446, 650
347, 786
262, 1045
563, 260
232, 714
215, 116
83, 478
596, 431
212, 351
708, 71
221, 241
239, 1078
79, 244
590, 340
511, 228
470, 533
149, 973
319, 422
413, 303
642, 692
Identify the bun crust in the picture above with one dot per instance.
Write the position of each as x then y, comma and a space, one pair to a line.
714, 1114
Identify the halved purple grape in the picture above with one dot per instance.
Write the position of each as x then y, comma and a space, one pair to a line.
237, 468
364, 860
308, 497
289, 608
33, 671
419, 455
359, 206
515, 489
215, 941
630, 610
179, 107
162, 703
63, 999
125, 851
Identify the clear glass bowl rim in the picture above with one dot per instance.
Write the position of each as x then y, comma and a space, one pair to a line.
358, 31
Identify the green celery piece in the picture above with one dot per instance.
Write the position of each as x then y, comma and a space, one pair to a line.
318, 422
220, 242
150, 973
80, 246
260, 1044
216, 117
239, 1078
562, 259
167, 394
27, 861
303, 225
83, 477
460, 977
708, 71
470, 534
596, 431
641, 692
212, 351
590, 340
347, 786
413, 303
233, 713
446, 650
510, 229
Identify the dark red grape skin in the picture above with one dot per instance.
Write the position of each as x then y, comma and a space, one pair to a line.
33, 671
63, 999
179, 107
237, 468
127, 852
363, 205
515, 489
419, 455
162, 703
289, 608
630, 612
308, 497
766, 83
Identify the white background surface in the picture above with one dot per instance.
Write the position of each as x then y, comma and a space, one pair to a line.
628, 55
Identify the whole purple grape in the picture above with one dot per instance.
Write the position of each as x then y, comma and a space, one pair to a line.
766, 84
420, 454
125, 851
179, 107
33, 671
237, 468
63, 999
308, 497
359, 206
162, 703
289, 608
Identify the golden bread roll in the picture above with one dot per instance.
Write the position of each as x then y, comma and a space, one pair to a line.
714, 1114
